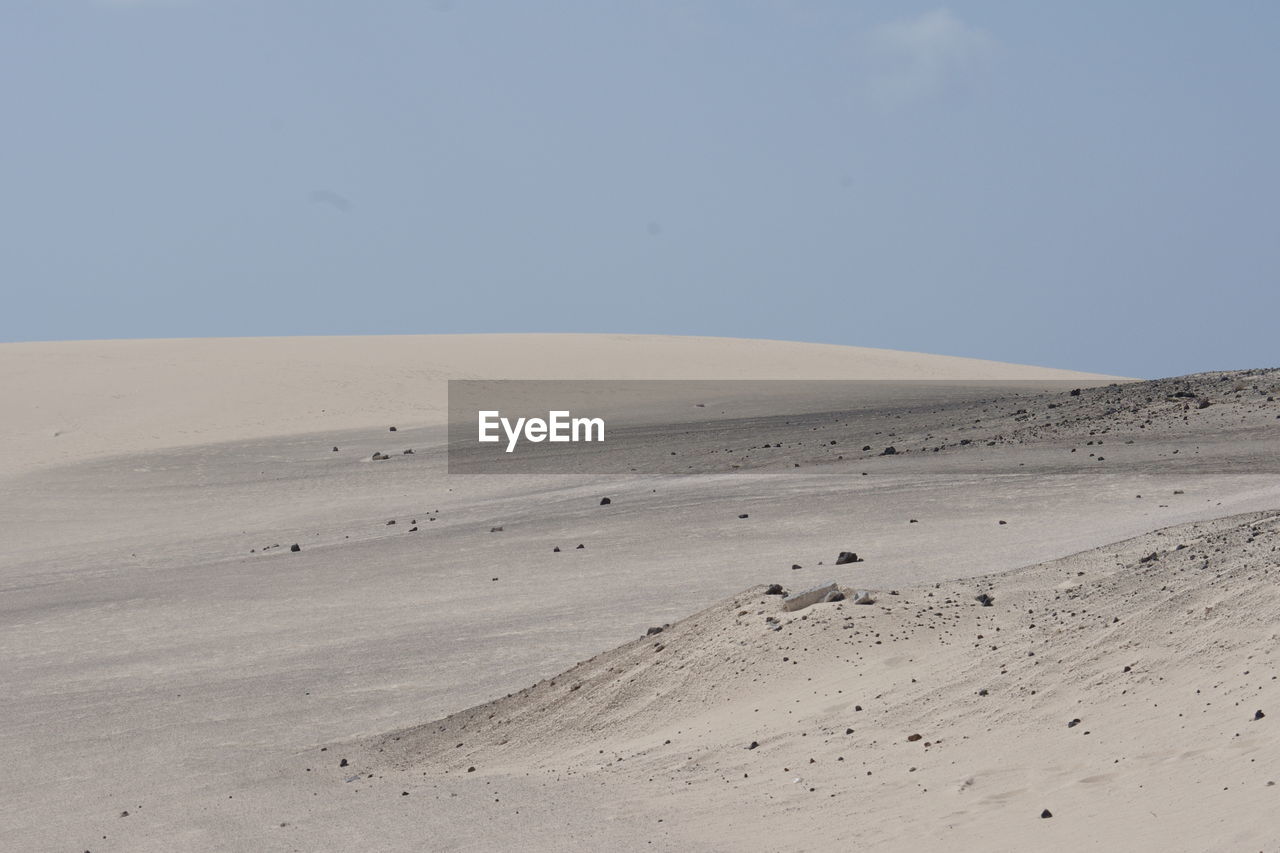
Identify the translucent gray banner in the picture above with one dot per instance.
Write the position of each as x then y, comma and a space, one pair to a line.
783, 426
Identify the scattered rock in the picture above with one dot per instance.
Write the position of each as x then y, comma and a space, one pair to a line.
295, 547
742, 515
335, 448
913, 738
1258, 715
889, 451
605, 502
863, 596
343, 763
847, 557
580, 547
1073, 723
1046, 814
392, 429
657, 629
753, 745
984, 599
836, 595
555, 550
775, 589
801, 600
495, 529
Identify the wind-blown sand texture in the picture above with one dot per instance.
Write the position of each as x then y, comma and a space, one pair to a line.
166, 655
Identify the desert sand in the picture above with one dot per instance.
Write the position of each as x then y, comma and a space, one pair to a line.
178, 679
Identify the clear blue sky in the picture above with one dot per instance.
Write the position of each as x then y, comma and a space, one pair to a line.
1085, 185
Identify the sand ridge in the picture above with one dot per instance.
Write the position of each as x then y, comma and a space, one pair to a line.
72, 400
1116, 688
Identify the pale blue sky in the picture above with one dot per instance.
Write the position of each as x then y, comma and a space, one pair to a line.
1085, 185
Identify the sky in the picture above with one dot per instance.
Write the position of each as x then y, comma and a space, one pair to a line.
1087, 185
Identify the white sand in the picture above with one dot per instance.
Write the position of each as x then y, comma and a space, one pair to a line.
154, 665
115, 397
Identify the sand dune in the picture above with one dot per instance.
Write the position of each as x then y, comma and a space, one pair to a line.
71, 400
1118, 688
181, 679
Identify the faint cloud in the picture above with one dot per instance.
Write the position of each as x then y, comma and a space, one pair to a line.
915, 58
342, 204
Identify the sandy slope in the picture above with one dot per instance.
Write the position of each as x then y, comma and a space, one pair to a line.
163, 658
68, 400
1116, 688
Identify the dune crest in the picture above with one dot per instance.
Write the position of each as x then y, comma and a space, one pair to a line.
78, 399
